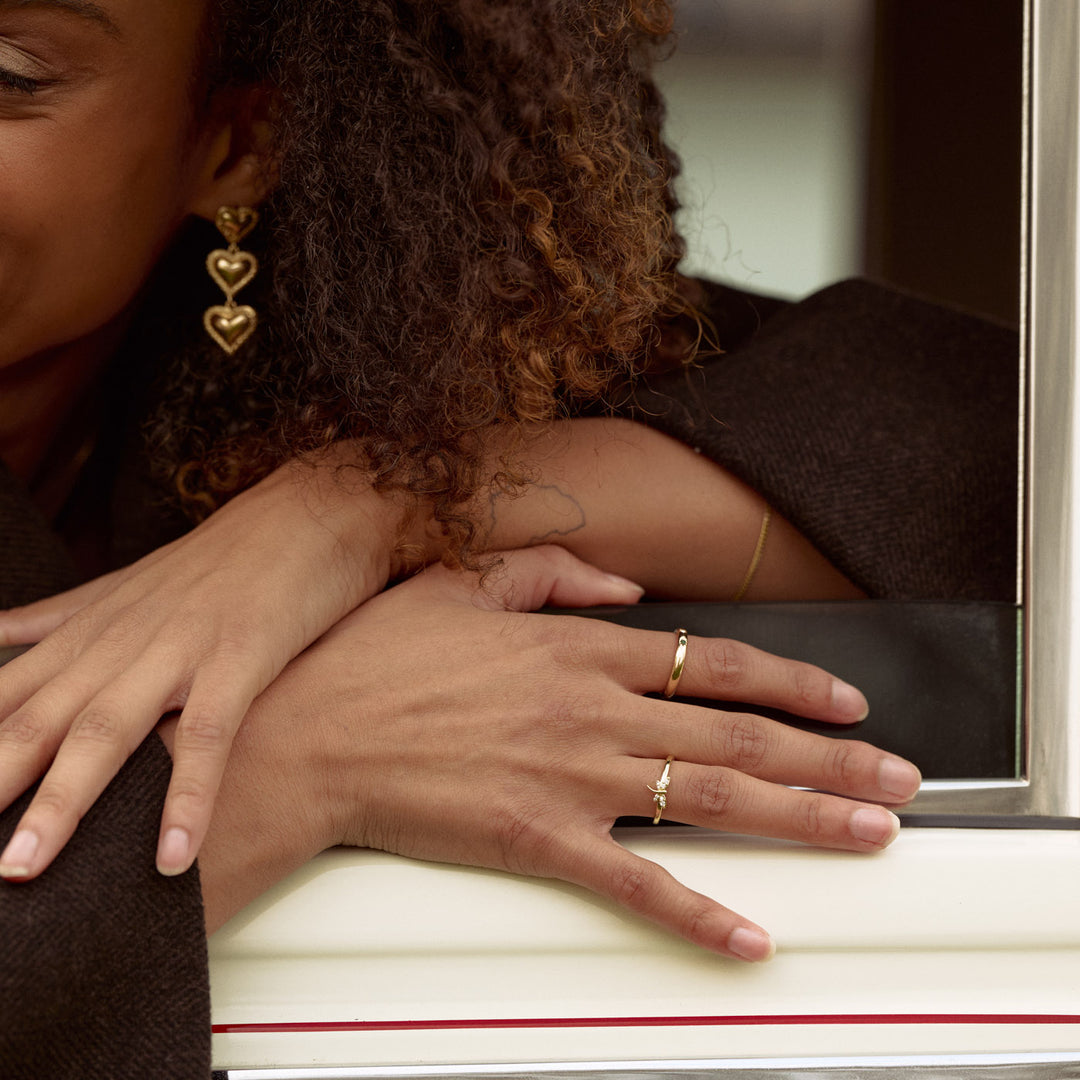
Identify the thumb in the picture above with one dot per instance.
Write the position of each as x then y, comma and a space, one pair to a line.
534, 577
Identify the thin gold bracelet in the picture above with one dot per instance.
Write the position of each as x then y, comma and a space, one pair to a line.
755, 559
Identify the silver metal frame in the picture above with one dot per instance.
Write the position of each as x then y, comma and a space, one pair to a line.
1051, 1066
1050, 438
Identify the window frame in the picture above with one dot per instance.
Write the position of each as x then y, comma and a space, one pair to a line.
1047, 791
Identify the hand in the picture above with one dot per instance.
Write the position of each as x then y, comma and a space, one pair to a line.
202, 625
475, 735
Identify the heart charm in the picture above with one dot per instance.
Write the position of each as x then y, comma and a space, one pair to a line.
235, 222
231, 271
230, 327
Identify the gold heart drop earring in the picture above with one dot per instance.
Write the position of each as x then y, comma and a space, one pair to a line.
231, 324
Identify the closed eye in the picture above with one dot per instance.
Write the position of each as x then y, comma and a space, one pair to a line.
13, 83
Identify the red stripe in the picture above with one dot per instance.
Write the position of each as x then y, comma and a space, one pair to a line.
647, 1021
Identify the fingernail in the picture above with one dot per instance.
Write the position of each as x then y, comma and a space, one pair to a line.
19, 854
874, 825
846, 699
173, 858
625, 583
898, 777
750, 944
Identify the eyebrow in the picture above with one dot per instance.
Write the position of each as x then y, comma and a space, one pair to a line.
85, 9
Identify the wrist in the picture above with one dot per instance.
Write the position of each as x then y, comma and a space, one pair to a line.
368, 530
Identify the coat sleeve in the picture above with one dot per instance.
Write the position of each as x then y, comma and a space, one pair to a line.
104, 970
883, 427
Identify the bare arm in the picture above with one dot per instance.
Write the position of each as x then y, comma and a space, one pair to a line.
640, 504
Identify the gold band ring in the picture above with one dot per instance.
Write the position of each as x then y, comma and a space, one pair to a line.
660, 791
677, 667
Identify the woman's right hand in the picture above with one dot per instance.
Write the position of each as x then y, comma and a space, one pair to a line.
443, 722
202, 625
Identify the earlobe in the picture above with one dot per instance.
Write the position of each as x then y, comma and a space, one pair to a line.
245, 181
237, 160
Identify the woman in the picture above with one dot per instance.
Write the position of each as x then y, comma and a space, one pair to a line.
466, 231
533, 337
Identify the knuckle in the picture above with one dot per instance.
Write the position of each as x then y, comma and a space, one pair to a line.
96, 724
811, 688
574, 713
200, 731
842, 763
54, 803
235, 644
26, 727
699, 925
629, 886
745, 743
78, 626
188, 797
120, 634
725, 664
808, 822
567, 644
582, 645
237, 650
716, 794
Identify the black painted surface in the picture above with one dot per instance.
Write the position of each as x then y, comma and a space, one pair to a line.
940, 677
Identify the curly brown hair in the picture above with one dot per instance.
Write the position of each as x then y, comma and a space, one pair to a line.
472, 225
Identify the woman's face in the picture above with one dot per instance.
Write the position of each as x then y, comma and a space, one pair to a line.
98, 160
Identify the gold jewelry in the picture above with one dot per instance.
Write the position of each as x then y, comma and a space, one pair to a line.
231, 324
677, 666
759, 547
660, 791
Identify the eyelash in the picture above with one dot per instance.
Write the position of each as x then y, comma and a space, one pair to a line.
10, 82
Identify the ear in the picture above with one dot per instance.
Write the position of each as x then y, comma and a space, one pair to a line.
235, 154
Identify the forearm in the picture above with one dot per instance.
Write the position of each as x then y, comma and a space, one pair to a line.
617, 494
640, 504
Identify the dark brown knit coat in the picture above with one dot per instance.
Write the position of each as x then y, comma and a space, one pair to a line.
104, 960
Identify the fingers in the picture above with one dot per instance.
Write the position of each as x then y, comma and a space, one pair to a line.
722, 798
642, 887
210, 719
717, 798
30, 623
551, 575
731, 671
93, 749
32, 731
774, 752
531, 578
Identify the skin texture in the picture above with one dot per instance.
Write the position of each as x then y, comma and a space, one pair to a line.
112, 108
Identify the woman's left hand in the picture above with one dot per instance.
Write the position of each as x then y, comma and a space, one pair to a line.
441, 721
